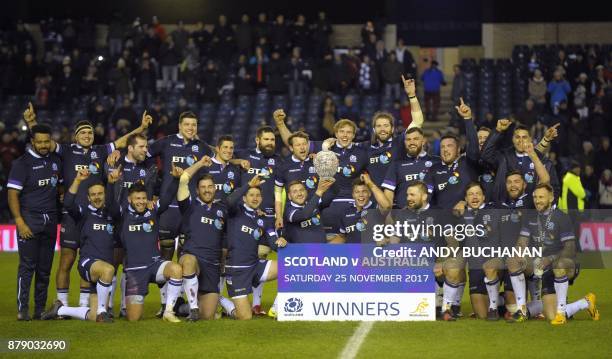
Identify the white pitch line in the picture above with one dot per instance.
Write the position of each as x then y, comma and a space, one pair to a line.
354, 343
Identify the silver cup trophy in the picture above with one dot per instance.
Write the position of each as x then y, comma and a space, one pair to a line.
326, 164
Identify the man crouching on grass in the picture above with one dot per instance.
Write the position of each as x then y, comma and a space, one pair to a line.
95, 225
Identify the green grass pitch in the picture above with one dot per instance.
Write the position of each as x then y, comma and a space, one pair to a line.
267, 338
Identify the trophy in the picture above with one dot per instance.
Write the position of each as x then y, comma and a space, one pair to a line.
326, 164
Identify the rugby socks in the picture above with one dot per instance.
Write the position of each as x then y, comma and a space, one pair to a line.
493, 291
84, 297
172, 293
62, 295
439, 292
561, 286
450, 293
533, 285
575, 307
190, 285
257, 294
74, 312
227, 305
123, 290
459, 294
163, 293
221, 285
103, 289
274, 304
113, 289
518, 284
535, 308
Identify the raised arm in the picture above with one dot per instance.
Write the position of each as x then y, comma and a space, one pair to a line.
384, 204
301, 214
183, 189
472, 151
73, 209
169, 193
29, 116
121, 142
112, 201
540, 169
490, 154
279, 118
549, 136
233, 199
415, 107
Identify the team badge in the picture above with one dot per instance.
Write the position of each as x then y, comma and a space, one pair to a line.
220, 213
519, 203
143, 173
260, 222
353, 158
230, 175
428, 164
94, 168
54, 166
550, 226
94, 155
487, 178
311, 169
528, 178
271, 162
453, 180
531, 166
195, 148
384, 158
219, 224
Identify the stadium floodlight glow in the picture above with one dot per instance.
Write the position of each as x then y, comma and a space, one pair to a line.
100, 58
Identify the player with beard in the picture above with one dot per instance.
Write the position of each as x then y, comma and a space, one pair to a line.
552, 231
263, 161
516, 158
80, 154
387, 147
414, 165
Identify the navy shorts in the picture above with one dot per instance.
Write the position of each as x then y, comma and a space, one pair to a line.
505, 277
170, 223
331, 216
240, 281
210, 274
548, 280
477, 281
138, 279
84, 268
69, 234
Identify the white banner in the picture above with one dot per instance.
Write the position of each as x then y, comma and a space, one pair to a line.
356, 306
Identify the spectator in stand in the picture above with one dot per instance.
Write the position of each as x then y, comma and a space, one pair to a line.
125, 114
244, 35
433, 79
277, 74
145, 83
180, 37
151, 43
300, 36
169, 59
340, 76
367, 30
322, 74
368, 76
211, 82
322, 29
67, 86
9, 150
591, 186
259, 63
27, 73
369, 47
558, 89
202, 38
528, 115
605, 190
243, 79
363, 132
115, 36
587, 156
537, 89
297, 80
392, 74
380, 55
603, 155
582, 95
119, 79
279, 35
404, 56
348, 109
190, 68
159, 29
262, 27
328, 115
223, 40
405, 113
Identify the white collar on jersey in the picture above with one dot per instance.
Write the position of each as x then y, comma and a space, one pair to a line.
297, 205
344, 148
367, 205
204, 203
422, 154
422, 209
547, 212
36, 155
248, 208
520, 154
378, 143
296, 160
126, 159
